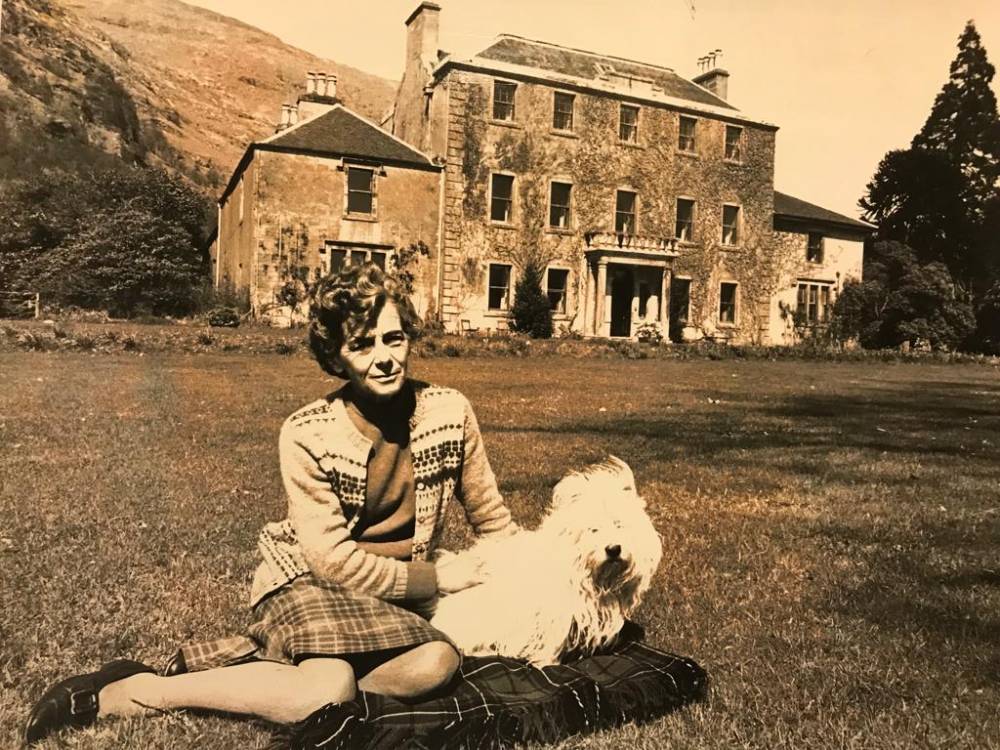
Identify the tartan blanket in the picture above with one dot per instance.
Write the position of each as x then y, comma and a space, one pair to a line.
497, 702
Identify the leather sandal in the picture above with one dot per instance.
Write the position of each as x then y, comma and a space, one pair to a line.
73, 702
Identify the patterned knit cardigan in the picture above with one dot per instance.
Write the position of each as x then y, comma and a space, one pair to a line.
323, 460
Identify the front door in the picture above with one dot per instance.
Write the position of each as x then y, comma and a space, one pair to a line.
622, 289
680, 305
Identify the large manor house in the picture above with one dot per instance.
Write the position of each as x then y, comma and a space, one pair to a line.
646, 197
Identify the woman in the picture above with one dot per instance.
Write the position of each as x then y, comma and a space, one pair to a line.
368, 471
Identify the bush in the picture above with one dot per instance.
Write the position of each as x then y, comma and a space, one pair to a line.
902, 302
224, 317
531, 313
649, 333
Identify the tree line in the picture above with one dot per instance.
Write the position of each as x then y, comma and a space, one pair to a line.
932, 272
127, 239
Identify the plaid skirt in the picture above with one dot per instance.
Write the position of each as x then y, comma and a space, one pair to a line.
307, 618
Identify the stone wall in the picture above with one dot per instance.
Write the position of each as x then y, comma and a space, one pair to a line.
843, 255
236, 234
597, 163
300, 204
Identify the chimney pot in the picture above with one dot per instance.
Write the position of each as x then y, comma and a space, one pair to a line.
331, 86
311, 82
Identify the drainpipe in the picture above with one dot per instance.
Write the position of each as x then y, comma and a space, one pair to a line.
439, 297
218, 239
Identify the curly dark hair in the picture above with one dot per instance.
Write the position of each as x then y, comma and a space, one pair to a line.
351, 300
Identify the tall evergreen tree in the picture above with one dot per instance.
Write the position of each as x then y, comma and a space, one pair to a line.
941, 197
963, 121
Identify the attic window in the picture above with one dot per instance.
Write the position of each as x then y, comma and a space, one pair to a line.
360, 191
503, 100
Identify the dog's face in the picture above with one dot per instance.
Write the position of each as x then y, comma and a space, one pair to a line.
605, 520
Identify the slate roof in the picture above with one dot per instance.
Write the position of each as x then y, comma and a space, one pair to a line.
588, 65
341, 132
789, 207
338, 132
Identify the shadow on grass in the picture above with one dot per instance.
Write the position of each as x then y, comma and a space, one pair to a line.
922, 419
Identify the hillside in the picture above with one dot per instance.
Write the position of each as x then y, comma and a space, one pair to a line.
154, 81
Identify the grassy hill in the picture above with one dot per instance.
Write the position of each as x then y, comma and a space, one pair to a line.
151, 81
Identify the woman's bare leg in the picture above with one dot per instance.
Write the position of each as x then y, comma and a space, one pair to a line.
280, 693
420, 670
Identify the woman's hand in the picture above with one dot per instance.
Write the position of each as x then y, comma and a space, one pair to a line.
457, 572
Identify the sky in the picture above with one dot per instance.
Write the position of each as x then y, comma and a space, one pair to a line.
845, 80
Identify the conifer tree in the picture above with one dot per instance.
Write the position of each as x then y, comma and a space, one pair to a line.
941, 196
531, 312
963, 121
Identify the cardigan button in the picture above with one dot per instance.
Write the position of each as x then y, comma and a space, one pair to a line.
421, 486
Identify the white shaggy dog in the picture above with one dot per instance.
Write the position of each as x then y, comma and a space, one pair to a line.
566, 587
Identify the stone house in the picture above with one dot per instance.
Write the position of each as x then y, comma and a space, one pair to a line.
328, 188
646, 197
825, 250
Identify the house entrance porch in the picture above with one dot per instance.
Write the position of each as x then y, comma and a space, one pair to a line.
627, 284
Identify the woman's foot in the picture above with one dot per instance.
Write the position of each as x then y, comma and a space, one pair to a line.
76, 701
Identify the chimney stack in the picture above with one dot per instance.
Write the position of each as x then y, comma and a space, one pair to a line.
422, 35
711, 77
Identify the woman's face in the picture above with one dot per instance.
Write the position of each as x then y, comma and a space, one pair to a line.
374, 359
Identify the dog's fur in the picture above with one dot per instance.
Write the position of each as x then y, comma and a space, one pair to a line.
563, 588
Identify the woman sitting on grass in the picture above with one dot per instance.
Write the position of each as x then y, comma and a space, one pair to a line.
368, 471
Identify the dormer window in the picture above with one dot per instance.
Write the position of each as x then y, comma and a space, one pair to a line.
628, 124
503, 100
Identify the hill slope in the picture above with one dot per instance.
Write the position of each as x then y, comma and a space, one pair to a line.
156, 81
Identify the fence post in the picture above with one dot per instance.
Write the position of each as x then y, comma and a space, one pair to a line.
38, 310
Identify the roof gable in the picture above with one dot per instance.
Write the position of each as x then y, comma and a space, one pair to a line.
340, 132
590, 66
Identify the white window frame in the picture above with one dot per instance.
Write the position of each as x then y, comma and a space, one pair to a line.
572, 111
513, 101
622, 106
809, 246
635, 210
737, 228
694, 216
813, 295
564, 302
327, 250
694, 135
348, 213
569, 208
736, 304
505, 308
738, 158
513, 197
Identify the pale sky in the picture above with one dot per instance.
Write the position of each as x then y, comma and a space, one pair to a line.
845, 80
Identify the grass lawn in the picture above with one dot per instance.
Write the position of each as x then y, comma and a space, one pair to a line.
831, 531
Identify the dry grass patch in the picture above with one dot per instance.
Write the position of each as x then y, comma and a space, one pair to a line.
830, 529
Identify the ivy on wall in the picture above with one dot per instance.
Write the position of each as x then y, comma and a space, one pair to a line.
598, 164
